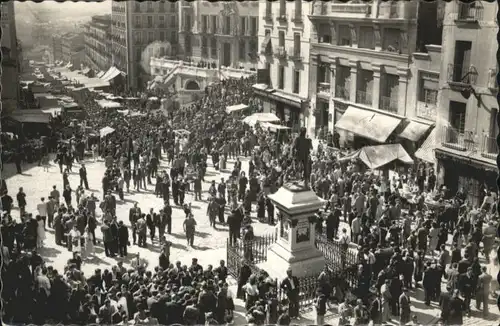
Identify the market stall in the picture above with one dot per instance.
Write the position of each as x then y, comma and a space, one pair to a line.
376, 157
236, 108
255, 118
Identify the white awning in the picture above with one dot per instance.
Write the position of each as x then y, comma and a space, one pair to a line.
368, 124
237, 107
274, 127
414, 131
106, 131
260, 117
426, 151
375, 157
100, 74
113, 74
105, 104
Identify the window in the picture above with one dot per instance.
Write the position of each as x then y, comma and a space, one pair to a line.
187, 22
296, 44
213, 47
137, 37
173, 37
150, 21
137, 7
150, 6
296, 81
344, 35
461, 62
151, 37
162, 6
137, 21
173, 21
253, 26
428, 89
282, 10
227, 25
242, 50
204, 46
323, 73
324, 33
204, 23
281, 38
162, 36
281, 77
187, 44
214, 24
243, 25
457, 116
252, 46
267, 32
391, 40
138, 53
172, 6
366, 38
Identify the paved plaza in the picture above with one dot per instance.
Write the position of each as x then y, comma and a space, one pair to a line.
209, 245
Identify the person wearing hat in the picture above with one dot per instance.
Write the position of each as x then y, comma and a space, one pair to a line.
291, 287
404, 307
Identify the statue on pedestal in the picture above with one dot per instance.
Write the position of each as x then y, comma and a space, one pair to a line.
301, 153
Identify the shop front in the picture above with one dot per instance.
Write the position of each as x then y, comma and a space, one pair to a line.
466, 172
289, 108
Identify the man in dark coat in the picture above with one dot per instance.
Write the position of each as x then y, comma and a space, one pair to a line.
134, 215
456, 308
83, 177
107, 238
291, 287
301, 149
123, 240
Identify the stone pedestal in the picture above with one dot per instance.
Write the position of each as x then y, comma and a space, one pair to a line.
295, 246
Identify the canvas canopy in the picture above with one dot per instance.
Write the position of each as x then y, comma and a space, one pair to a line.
235, 108
105, 104
260, 117
274, 127
106, 131
375, 157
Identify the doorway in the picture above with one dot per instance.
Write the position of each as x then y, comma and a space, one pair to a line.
226, 57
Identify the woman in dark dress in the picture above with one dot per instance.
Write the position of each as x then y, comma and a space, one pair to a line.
261, 207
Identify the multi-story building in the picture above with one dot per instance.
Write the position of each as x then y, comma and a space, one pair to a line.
467, 127
224, 33
98, 43
57, 48
140, 30
10, 60
71, 44
284, 40
361, 66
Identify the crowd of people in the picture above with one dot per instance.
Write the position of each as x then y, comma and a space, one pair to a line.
401, 246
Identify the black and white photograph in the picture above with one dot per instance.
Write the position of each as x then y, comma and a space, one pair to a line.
254, 162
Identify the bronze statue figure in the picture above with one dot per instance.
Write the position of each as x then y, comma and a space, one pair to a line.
301, 150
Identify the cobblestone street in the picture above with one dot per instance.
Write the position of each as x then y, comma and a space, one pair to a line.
209, 243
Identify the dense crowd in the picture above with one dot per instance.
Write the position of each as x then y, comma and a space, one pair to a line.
401, 241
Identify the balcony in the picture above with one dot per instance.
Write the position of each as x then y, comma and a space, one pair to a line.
489, 147
295, 54
297, 17
342, 92
280, 53
282, 17
320, 9
388, 104
161, 25
363, 97
458, 140
268, 16
350, 8
324, 89
469, 12
461, 76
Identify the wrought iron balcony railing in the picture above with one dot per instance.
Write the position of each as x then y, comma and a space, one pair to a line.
460, 74
388, 104
470, 12
363, 97
342, 92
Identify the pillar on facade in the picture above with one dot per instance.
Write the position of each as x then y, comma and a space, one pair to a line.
333, 84
376, 86
403, 84
313, 89
295, 248
353, 80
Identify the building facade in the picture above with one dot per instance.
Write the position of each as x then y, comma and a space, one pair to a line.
224, 33
361, 65
284, 41
467, 112
70, 45
98, 43
140, 30
10, 59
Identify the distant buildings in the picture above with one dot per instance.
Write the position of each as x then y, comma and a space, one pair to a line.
222, 32
72, 46
57, 48
98, 43
140, 30
10, 59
